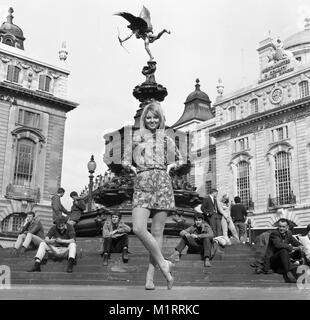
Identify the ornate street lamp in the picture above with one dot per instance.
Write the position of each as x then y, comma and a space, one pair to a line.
91, 166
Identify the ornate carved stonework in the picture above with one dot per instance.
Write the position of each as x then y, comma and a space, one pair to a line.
7, 98
276, 95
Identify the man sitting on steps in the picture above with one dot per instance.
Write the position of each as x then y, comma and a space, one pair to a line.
60, 241
32, 233
198, 236
115, 238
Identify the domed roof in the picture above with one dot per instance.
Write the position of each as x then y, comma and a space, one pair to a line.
299, 38
10, 27
197, 94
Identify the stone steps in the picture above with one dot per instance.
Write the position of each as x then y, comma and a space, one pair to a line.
230, 267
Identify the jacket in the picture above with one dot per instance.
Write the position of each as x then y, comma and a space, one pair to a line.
238, 212
77, 209
210, 208
35, 227
277, 242
205, 232
57, 207
107, 229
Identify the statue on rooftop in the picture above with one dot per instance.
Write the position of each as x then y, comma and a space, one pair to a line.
142, 28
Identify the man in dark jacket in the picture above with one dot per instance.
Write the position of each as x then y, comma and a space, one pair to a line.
196, 237
238, 214
57, 207
211, 213
77, 208
282, 246
32, 233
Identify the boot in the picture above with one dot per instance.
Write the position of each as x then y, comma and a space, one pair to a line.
36, 267
207, 262
105, 259
289, 277
70, 265
125, 255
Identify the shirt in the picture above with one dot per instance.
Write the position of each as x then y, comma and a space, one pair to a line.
305, 241
68, 233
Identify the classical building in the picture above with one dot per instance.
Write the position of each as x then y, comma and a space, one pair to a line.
33, 109
198, 118
263, 137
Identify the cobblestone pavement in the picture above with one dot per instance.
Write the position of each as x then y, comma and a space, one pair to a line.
54, 292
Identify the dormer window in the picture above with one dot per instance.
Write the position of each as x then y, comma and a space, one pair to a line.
254, 106
303, 89
13, 74
9, 42
44, 83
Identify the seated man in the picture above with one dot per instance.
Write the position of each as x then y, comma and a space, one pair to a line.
60, 241
198, 236
115, 238
282, 246
305, 242
32, 233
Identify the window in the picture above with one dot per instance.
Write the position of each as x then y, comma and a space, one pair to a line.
208, 186
13, 222
9, 42
254, 106
210, 166
28, 118
279, 134
241, 144
13, 74
232, 112
23, 172
243, 182
303, 89
282, 177
44, 83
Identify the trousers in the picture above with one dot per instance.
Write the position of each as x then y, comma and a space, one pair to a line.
115, 245
25, 240
69, 251
203, 245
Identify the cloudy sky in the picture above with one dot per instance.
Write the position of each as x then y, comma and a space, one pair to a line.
209, 39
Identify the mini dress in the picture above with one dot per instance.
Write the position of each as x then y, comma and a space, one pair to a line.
151, 154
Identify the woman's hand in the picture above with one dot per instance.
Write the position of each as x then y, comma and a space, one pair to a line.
170, 166
134, 170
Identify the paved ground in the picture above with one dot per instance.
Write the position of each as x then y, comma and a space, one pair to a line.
53, 292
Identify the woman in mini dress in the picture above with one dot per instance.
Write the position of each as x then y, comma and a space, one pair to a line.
154, 154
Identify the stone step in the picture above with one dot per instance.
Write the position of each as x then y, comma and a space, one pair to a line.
160, 283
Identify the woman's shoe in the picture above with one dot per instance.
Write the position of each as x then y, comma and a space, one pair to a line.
167, 274
149, 285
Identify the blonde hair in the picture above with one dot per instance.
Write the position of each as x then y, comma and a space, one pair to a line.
154, 107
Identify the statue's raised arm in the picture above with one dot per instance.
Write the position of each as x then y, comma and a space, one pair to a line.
142, 28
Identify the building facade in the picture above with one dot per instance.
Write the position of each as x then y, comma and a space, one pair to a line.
262, 135
33, 109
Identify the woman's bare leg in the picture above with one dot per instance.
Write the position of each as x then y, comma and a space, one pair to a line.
139, 222
157, 230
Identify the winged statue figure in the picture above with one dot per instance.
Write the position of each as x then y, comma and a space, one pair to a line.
142, 28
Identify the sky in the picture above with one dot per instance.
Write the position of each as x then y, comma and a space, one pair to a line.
209, 39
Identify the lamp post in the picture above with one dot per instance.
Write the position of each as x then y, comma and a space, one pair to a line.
91, 166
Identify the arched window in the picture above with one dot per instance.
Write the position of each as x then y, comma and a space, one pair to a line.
254, 106
282, 177
13, 222
44, 83
23, 172
243, 182
13, 73
232, 113
9, 42
303, 89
